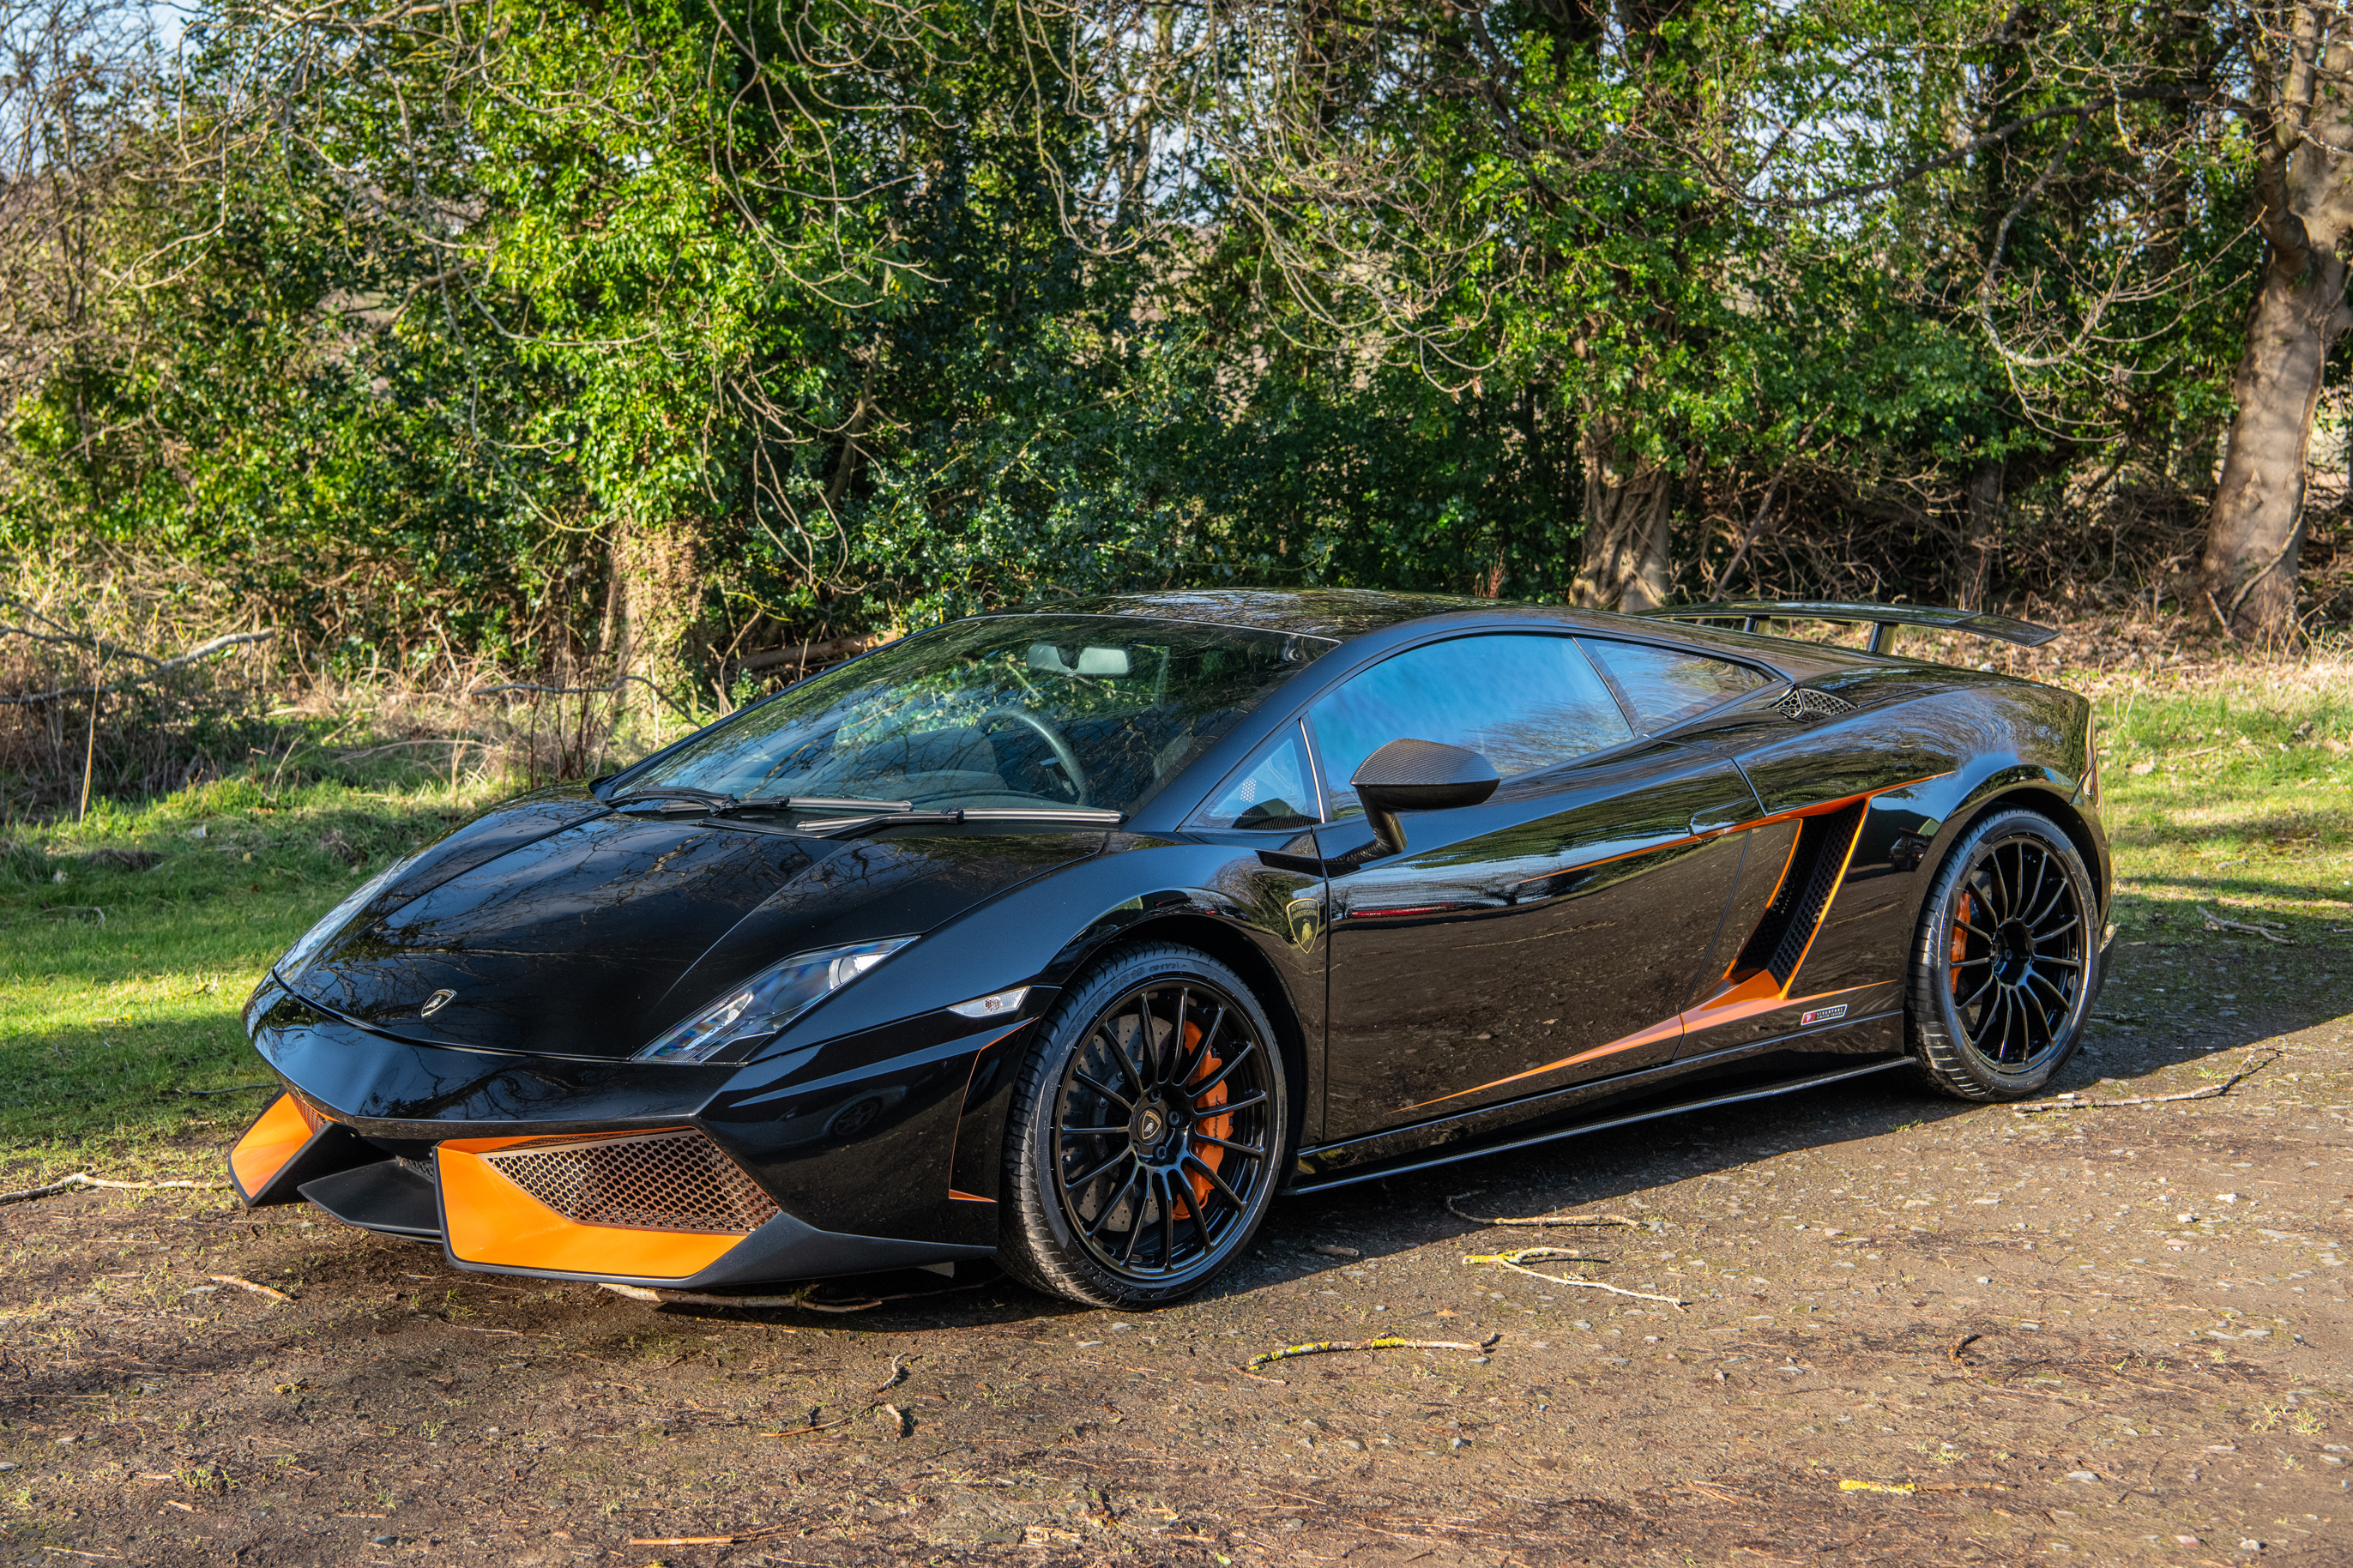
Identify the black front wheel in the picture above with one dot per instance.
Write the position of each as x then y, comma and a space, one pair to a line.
1146, 1132
2006, 960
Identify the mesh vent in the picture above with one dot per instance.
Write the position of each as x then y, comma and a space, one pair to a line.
661, 1181
1781, 937
1804, 703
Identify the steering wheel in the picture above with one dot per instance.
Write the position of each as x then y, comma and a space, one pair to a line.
1075, 774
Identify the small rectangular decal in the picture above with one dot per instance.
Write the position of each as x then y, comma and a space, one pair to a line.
1822, 1015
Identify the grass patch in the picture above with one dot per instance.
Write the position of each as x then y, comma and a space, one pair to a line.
2234, 793
128, 943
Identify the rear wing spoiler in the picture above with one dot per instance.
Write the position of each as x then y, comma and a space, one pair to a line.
1885, 620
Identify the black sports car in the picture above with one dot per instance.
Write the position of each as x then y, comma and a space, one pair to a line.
1069, 937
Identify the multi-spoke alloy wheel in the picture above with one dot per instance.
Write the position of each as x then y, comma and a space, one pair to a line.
2008, 959
1148, 1127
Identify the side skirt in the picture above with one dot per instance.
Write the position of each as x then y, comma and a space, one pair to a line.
1455, 1156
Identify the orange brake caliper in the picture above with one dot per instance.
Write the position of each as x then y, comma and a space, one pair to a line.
1960, 946
1214, 1126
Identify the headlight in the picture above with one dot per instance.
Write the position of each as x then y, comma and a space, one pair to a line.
298, 957
769, 1001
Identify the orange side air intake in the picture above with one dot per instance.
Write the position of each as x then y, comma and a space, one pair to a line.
656, 1205
275, 1137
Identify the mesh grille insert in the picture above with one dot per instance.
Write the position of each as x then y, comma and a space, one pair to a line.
657, 1180
1802, 702
1781, 937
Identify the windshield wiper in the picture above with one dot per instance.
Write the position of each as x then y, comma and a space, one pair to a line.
815, 802
687, 794
1070, 816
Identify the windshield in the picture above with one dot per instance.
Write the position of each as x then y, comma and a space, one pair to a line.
1000, 711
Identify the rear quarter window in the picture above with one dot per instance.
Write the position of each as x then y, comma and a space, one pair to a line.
1661, 686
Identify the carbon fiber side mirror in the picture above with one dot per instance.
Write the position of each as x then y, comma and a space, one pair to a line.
1418, 775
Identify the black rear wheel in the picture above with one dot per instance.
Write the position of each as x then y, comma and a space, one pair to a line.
1147, 1130
2007, 960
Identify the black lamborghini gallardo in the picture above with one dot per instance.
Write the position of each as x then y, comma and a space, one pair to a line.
1071, 936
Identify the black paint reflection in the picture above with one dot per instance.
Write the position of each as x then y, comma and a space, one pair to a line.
1569, 914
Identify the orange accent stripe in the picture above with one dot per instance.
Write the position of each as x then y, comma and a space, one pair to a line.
1729, 1009
968, 1197
1652, 1035
275, 1138
1823, 807
1754, 994
491, 1220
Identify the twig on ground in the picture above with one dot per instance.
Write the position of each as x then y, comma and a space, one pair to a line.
736, 1539
243, 1284
2267, 929
1320, 1346
899, 1424
232, 1089
2208, 1092
1515, 1261
79, 1179
1540, 1219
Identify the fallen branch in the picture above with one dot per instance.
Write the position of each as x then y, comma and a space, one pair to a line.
79, 1179
1320, 1346
232, 1089
1540, 1219
545, 691
2266, 930
244, 1284
1514, 1261
157, 666
2208, 1092
738, 1538
808, 653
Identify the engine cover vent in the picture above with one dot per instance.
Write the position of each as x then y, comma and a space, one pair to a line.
655, 1181
1804, 703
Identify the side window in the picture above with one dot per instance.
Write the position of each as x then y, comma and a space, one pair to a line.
1664, 687
1277, 791
1523, 702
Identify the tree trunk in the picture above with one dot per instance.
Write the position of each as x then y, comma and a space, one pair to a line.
2304, 207
661, 570
1626, 493
1980, 535
2255, 532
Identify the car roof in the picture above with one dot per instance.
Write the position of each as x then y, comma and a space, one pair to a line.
1343, 614
1338, 614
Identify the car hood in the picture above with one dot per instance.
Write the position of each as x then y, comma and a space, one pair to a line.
588, 940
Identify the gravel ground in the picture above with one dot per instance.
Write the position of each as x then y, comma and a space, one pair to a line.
1915, 1333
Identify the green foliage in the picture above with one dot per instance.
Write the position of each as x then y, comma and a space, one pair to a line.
543, 335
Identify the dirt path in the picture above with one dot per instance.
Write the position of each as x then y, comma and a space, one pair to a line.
1918, 1333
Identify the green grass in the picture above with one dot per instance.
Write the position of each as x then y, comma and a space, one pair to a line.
2236, 795
119, 987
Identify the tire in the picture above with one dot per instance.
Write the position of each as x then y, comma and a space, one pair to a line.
1142, 1144
2006, 962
